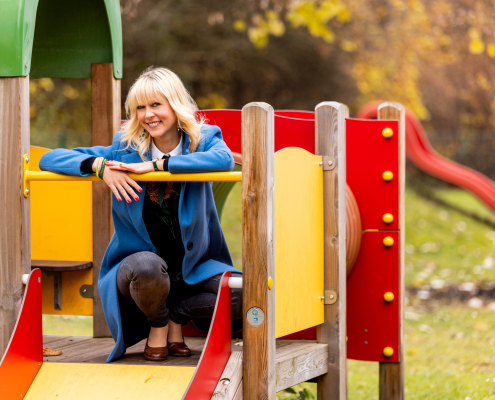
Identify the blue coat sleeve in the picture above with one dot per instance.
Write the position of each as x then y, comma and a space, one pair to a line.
68, 162
216, 156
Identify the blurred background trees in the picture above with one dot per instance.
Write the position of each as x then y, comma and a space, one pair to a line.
437, 57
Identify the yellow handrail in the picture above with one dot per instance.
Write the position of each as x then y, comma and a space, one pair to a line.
30, 176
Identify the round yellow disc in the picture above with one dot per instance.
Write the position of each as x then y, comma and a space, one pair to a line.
388, 176
388, 218
270, 282
388, 241
387, 133
388, 297
388, 352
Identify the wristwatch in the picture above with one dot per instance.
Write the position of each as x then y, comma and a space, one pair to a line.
154, 164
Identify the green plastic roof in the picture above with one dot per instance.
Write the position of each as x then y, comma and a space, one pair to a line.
59, 38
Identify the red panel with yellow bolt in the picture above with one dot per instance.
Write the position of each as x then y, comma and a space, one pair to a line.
373, 299
373, 170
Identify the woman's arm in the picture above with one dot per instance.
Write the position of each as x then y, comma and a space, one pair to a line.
216, 156
68, 162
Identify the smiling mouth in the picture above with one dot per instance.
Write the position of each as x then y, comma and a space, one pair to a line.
153, 124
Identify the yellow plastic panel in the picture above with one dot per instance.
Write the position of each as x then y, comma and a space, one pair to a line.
62, 229
72, 301
298, 241
66, 381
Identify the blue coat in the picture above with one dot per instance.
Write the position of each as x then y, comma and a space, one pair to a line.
198, 219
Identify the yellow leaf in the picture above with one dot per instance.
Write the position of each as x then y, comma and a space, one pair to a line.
490, 49
258, 36
476, 46
239, 25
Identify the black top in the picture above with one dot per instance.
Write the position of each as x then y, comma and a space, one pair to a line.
161, 217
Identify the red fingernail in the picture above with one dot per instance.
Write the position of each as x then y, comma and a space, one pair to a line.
119, 199
136, 198
140, 190
128, 201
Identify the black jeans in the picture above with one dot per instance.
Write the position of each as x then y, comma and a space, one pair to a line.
145, 287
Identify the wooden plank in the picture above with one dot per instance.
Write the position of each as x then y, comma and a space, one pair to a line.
392, 374
15, 237
257, 249
330, 141
105, 122
301, 365
60, 266
231, 378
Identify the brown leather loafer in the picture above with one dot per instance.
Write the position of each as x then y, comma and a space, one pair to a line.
155, 353
178, 349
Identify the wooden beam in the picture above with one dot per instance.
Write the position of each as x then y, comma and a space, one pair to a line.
391, 386
258, 250
15, 232
330, 143
231, 379
105, 122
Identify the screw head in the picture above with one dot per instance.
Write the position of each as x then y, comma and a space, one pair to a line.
27, 159
330, 163
39, 279
27, 191
388, 241
25, 66
84, 291
388, 218
332, 297
387, 133
118, 71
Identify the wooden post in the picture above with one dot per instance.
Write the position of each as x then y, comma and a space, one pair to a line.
258, 262
15, 230
330, 143
391, 386
105, 122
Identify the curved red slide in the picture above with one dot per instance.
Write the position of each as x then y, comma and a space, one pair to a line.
421, 153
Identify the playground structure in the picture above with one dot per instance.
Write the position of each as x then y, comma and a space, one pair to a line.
323, 233
277, 246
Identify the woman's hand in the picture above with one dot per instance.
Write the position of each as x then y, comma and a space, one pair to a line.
120, 183
136, 168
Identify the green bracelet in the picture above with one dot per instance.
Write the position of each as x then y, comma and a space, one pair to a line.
103, 164
154, 165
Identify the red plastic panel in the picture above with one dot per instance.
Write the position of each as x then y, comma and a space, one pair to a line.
24, 354
369, 154
217, 348
372, 323
292, 128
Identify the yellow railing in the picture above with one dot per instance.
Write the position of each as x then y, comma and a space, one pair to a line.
31, 176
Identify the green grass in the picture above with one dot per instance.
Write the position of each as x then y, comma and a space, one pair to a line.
450, 354
444, 246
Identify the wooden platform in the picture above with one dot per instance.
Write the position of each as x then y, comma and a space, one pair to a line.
85, 349
296, 361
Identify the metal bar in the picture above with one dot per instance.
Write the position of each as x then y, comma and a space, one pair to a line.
31, 176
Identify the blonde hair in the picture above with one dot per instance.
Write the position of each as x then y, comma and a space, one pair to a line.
153, 84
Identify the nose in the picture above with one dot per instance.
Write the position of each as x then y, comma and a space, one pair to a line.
149, 112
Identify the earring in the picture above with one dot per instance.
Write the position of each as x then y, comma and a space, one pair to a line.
178, 128
144, 130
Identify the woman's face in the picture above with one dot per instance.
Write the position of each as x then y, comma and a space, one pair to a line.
157, 117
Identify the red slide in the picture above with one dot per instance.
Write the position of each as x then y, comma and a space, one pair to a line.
420, 152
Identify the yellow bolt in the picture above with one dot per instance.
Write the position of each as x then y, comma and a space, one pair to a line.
388, 352
388, 176
387, 133
388, 218
388, 241
270, 283
388, 297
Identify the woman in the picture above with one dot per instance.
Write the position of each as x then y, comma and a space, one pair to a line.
163, 265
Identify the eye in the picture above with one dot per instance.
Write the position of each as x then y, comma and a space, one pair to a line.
155, 104
140, 107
